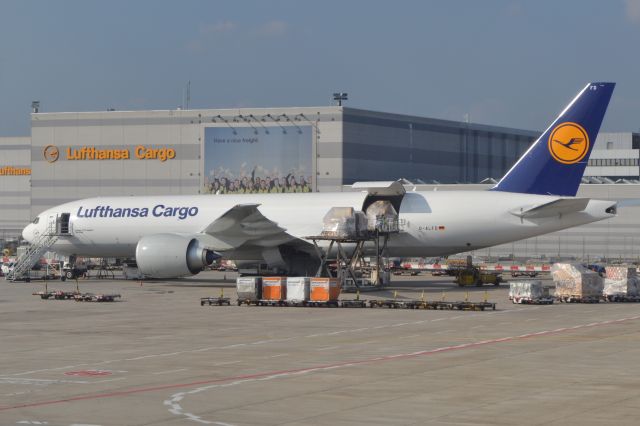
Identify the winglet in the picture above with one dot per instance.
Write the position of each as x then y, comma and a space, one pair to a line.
555, 163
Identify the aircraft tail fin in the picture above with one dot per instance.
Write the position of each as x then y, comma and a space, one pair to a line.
555, 163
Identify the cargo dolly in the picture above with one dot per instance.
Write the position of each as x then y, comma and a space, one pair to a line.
219, 301
78, 297
353, 303
578, 299
533, 300
322, 304
269, 302
90, 297
56, 295
439, 305
620, 298
248, 302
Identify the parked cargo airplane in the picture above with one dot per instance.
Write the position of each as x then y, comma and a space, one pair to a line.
173, 236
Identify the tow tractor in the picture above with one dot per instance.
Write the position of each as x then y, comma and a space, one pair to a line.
472, 275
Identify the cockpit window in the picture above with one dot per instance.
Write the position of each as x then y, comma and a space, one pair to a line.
36, 220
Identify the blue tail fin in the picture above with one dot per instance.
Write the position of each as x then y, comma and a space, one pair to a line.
555, 163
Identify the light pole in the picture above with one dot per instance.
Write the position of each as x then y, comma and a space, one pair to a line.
339, 97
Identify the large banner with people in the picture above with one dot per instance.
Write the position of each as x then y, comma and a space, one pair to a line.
245, 160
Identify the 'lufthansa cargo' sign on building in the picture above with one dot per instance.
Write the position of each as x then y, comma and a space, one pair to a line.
15, 171
51, 153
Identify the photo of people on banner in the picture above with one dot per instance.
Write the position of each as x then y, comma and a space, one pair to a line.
239, 161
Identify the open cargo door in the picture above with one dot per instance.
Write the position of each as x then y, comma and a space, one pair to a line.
391, 191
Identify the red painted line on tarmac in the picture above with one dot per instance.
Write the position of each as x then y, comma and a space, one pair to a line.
321, 367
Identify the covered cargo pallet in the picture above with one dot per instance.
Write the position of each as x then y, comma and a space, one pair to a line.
575, 283
621, 283
620, 272
324, 289
528, 291
621, 287
382, 217
298, 289
340, 222
249, 289
274, 288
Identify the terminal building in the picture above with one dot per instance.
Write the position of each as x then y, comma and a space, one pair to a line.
73, 155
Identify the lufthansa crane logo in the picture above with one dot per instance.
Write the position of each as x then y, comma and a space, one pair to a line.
51, 153
568, 143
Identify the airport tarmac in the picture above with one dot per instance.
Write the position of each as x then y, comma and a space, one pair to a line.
159, 358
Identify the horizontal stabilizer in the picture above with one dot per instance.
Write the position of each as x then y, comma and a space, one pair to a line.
553, 208
629, 202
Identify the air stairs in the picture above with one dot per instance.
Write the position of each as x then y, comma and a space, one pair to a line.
35, 251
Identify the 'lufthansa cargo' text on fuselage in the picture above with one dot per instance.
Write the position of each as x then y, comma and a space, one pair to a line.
159, 210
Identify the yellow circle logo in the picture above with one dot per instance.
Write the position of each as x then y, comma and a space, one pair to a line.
51, 153
568, 143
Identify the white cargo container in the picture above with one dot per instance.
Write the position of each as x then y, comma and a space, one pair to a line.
249, 288
298, 289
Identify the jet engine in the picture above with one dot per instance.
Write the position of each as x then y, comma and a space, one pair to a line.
172, 255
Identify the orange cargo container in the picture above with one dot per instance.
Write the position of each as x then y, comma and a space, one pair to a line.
274, 288
324, 289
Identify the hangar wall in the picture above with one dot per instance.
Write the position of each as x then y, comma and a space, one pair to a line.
383, 146
15, 191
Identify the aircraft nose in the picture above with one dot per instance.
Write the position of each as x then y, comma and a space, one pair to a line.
27, 232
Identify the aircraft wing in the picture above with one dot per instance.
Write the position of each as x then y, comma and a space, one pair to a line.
552, 208
245, 225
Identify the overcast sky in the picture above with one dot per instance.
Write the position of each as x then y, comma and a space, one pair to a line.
510, 63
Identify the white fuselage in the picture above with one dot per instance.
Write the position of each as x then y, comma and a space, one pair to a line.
432, 223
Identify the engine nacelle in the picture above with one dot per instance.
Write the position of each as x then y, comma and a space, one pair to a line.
171, 256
